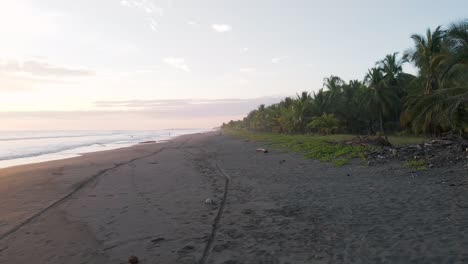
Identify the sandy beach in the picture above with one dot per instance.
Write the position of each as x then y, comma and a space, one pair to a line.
151, 201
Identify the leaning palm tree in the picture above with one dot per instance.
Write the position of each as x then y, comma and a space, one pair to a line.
443, 110
425, 56
381, 98
446, 108
456, 53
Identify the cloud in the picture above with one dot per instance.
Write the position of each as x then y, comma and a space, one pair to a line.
21, 20
39, 68
221, 28
186, 108
192, 23
153, 24
125, 3
144, 5
139, 114
247, 70
150, 10
279, 59
178, 63
245, 49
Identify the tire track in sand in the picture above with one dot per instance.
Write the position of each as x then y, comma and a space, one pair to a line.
80, 186
216, 221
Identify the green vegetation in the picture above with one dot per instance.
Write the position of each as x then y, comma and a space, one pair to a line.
326, 124
323, 148
418, 164
386, 100
326, 148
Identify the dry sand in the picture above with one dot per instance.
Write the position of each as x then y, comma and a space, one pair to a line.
149, 201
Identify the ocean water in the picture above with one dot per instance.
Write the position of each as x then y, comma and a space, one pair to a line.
24, 147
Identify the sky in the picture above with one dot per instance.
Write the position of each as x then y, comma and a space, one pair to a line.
156, 64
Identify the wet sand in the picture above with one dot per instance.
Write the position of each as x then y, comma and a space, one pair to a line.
149, 201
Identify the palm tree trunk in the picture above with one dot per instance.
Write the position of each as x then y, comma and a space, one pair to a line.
381, 123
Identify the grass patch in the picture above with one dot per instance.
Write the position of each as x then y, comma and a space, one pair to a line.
418, 164
340, 162
323, 148
406, 140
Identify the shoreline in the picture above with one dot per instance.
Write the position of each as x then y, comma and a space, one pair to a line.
149, 201
77, 152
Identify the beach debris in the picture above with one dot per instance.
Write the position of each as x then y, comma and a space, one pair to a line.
263, 150
133, 260
366, 140
158, 239
437, 153
188, 247
147, 142
209, 201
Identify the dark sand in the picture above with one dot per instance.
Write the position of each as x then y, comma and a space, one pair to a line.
149, 201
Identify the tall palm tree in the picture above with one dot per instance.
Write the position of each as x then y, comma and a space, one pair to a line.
319, 103
301, 110
381, 98
446, 108
334, 86
456, 51
425, 56
391, 67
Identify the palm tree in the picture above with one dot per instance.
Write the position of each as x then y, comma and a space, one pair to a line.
425, 56
382, 99
443, 109
327, 123
334, 86
301, 110
319, 103
446, 108
391, 66
456, 51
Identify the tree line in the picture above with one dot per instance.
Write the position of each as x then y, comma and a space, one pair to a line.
387, 99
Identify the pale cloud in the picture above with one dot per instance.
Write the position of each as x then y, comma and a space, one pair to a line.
279, 59
221, 28
151, 10
153, 24
125, 3
247, 70
148, 7
178, 63
132, 73
40, 68
243, 81
245, 49
188, 107
20, 20
192, 23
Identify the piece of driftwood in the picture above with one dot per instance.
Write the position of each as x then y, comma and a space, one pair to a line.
147, 142
262, 150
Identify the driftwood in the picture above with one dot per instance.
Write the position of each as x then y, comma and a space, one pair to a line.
262, 150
